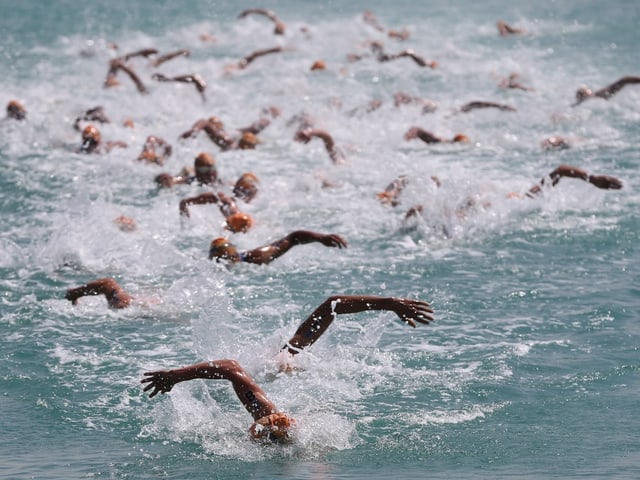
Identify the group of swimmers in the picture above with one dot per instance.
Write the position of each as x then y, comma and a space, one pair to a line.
269, 422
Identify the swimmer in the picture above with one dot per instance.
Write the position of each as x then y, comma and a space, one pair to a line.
279, 28
155, 150
555, 143
115, 66
512, 82
607, 92
236, 221
170, 56
604, 182
505, 30
476, 105
222, 249
92, 141
428, 137
194, 79
95, 114
306, 134
269, 423
244, 62
381, 56
214, 128
391, 194
204, 172
16, 111
401, 98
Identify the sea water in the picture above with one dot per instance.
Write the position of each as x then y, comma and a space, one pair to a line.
530, 369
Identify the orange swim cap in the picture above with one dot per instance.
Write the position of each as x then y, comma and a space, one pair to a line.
222, 248
91, 133
461, 138
246, 187
239, 222
248, 141
274, 427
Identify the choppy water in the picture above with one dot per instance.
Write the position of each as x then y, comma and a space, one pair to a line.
531, 367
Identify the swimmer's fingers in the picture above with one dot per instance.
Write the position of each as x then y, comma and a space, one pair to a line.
333, 240
412, 311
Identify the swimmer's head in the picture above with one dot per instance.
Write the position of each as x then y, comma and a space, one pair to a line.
248, 141
239, 222
16, 110
461, 138
274, 427
126, 224
246, 187
205, 167
318, 65
582, 94
216, 122
148, 155
90, 138
222, 249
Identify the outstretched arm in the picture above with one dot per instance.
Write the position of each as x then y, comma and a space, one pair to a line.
305, 136
116, 296
600, 181
615, 87
250, 394
473, 105
270, 252
409, 311
170, 56
279, 25
201, 199
243, 63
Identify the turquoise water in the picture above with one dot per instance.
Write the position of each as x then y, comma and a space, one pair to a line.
530, 369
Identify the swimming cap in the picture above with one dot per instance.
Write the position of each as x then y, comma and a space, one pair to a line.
274, 427
248, 141
91, 133
461, 138
245, 187
222, 248
239, 222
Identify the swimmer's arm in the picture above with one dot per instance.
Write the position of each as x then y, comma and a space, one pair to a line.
170, 56
422, 134
409, 311
268, 253
199, 125
201, 199
250, 394
133, 76
600, 181
615, 87
115, 294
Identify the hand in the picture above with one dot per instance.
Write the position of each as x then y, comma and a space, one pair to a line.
161, 381
605, 182
72, 296
333, 240
184, 209
412, 311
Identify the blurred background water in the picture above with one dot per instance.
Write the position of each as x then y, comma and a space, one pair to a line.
531, 367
